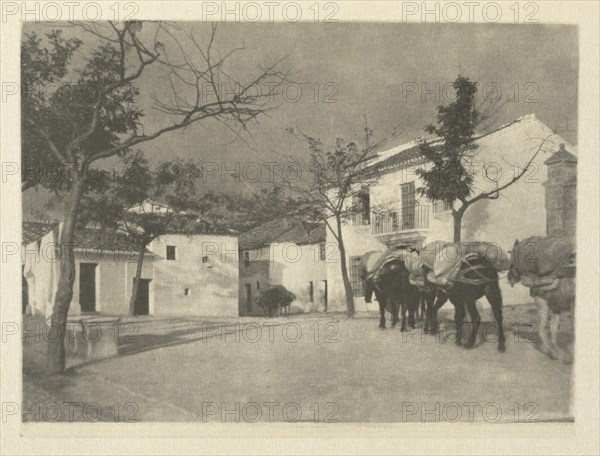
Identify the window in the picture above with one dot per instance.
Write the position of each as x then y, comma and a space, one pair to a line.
407, 194
311, 292
355, 280
361, 204
258, 285
441, 206
170, 252
204, 259
186, 292
322, 251
246, 258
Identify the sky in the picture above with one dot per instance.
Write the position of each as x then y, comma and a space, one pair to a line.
392, 75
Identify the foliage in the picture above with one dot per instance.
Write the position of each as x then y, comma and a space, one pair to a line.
244, 212
41, 67
448, 179
148, 203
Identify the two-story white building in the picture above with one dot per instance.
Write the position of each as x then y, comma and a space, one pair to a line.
394, 213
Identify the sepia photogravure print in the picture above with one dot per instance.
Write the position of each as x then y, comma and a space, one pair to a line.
300, 217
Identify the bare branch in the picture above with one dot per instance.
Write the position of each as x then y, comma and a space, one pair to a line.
493, 194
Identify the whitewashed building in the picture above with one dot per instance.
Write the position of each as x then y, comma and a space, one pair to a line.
286, 252
197, 275
105, 265
181, 275
395, 214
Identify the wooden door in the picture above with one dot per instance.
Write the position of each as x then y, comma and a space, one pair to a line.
87, 287
142, 301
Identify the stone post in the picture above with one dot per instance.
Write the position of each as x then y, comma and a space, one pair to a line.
561, 193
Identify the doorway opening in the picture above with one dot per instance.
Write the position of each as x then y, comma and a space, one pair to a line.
87, 287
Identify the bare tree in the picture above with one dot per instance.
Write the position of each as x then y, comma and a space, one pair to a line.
340, 175
80, 130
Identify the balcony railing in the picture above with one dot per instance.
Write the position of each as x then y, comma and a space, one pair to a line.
408, 218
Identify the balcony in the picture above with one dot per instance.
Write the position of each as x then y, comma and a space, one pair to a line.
406, 219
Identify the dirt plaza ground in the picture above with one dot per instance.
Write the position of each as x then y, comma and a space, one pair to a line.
314, 367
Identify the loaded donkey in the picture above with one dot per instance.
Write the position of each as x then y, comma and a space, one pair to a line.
462, 273
546, 265
385, 274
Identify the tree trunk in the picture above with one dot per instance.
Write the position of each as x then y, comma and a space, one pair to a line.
136, 280
346, 280
64, 292
457, 217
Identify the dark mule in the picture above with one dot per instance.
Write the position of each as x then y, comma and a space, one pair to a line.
274, 299
463, 294
389, 282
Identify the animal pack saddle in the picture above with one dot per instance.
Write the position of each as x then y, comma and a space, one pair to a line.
448, 262
543, 261
375, 261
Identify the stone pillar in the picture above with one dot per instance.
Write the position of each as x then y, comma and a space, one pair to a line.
561, 193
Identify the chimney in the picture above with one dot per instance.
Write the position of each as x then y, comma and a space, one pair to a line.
561, 193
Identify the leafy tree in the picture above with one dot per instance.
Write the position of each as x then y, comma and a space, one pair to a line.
101, 116
449, 178
248, 211
40, 68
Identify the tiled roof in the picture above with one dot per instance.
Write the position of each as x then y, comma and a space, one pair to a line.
85, 239
104, 240
392, 154
34, 230
561, 156
287, 229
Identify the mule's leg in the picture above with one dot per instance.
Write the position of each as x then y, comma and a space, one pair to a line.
567, 295
411, 300
475, 321
422, 306
494, 297
459, 319
394, 309
437, 300
429, 301
571, 349
403, 306
543, 330
554, 328
428, 305
381, 301
564, 355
